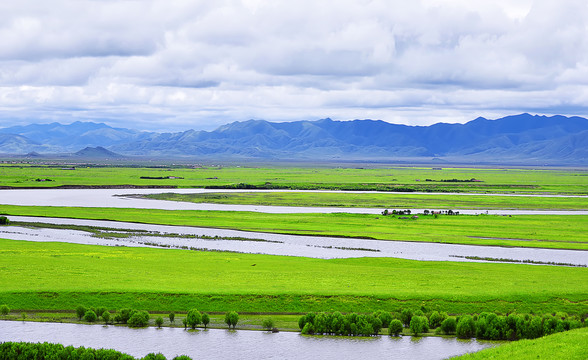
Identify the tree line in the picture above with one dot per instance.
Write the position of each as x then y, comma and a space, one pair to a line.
486, 325
40, 351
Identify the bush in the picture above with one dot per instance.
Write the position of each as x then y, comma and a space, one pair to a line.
4, 310
81, 311
231, 319
123, 316
205, 319
4, 220
194, 318
106, 317
419, 324
385, 317
466, 328
138, 319
405, 317
395, 327
449, 325
159, 321
172, 317
90, 316
436, 319
267, 324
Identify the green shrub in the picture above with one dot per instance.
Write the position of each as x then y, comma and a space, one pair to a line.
159, 321
205, 319
80, 311
193, 319
267, 324
90, 316
406, 316
466, 327
419, 325
138, 319
449, 325
395, 327
4, 220
231, 319
172, 317
106, 317
4, 310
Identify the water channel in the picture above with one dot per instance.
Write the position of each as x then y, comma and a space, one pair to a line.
276, 244
114, 198
226, 344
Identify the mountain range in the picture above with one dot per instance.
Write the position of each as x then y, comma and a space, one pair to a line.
520, 139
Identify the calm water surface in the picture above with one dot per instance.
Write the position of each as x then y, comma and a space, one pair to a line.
225, 344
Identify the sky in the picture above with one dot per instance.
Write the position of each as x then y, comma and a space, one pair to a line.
164, 65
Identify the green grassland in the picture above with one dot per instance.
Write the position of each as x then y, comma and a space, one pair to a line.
380, 178
543, 231
60, 276
569, 345
380, 200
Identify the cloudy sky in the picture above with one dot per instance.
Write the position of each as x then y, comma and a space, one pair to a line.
176, 65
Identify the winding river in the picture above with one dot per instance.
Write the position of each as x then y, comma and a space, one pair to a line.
226, 344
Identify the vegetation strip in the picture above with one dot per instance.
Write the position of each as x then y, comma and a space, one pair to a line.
540, 231
517, 261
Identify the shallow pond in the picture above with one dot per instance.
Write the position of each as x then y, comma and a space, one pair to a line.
277, 244
225, 344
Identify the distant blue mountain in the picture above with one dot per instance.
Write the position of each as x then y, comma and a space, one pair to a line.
520, 138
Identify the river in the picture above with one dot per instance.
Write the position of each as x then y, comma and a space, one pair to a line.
230, 344
278, 244
114, 198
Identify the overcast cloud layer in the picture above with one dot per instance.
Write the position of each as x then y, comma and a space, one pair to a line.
176, 65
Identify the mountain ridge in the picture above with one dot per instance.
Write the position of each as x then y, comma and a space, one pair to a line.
523, 138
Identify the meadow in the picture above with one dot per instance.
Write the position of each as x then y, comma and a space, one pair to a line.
178, 280
380, 200
381, 177
541, 231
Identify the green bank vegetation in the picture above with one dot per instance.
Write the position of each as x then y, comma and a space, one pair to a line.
569, 345
380, 200
383, 178
542, 231
175, 280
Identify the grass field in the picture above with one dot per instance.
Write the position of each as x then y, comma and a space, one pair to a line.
569, 345
559, 232
380, 178
61, 276
379, 200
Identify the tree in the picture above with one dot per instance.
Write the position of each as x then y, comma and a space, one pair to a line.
193, 318
90, 316
395, 327
205, 319
385, 317
419, 324
106, 317
138, 319
99, 310
406, 316
268, 324
436, 319
466, 327
159, 321
448, 326
231, 319
80, 311
4, 310
4, 220
172, 317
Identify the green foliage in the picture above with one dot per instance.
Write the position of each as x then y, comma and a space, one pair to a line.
384, 316
395, 327
449, 325
267, 324
436, 318
4, 220
80, 311
106, 317
4, 310
153, 356
172, 317
194, 318
26, 351
231, 319
419, 324
159, 321
99, 311
466, 327
406, 316
90, 316
138, 318
205, 319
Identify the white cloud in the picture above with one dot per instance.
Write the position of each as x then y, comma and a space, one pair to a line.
197, 64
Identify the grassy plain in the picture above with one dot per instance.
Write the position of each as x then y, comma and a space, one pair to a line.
376, 178
559, 232
58, 276
569, 345
380, 200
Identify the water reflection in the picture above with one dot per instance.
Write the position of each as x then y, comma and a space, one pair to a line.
226, 344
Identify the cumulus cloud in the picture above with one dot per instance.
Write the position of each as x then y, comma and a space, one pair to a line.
158, 65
